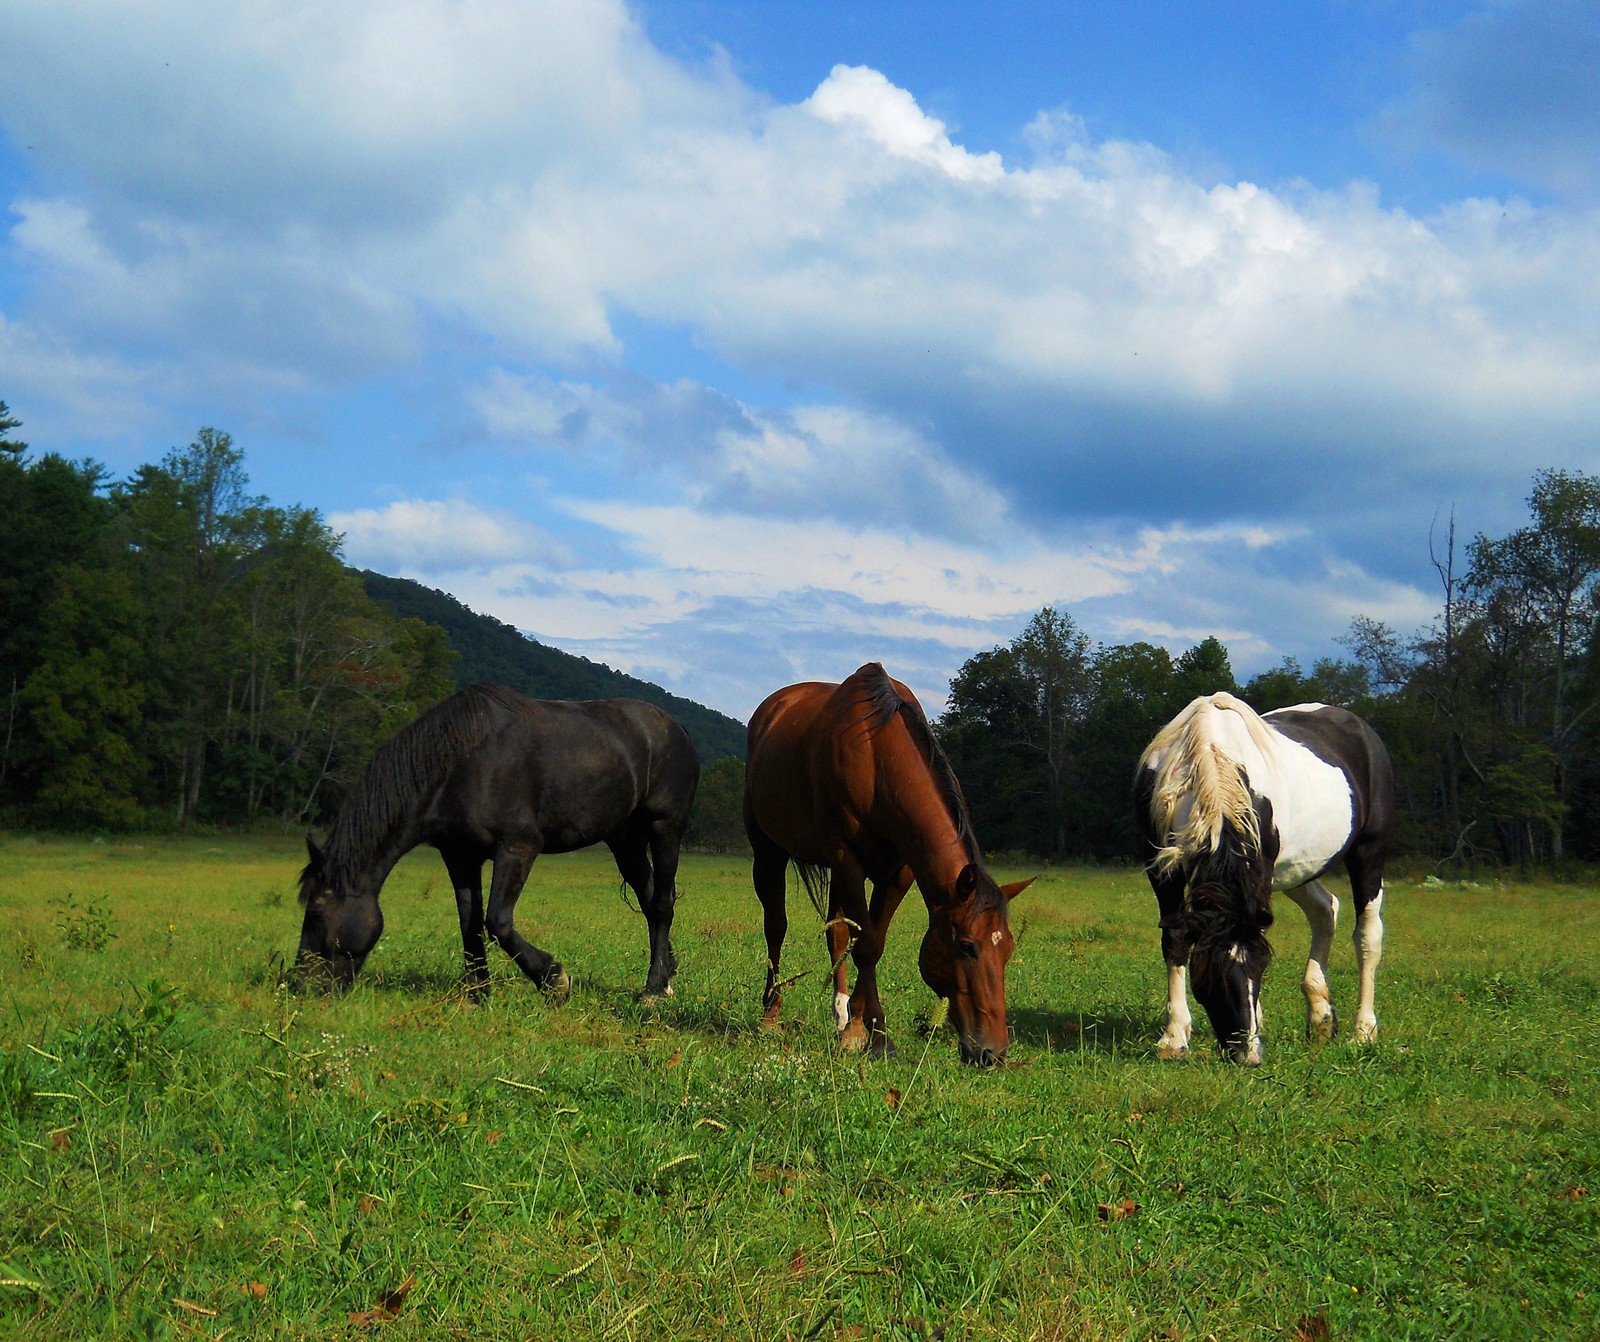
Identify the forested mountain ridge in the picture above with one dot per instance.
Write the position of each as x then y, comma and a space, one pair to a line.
488, 649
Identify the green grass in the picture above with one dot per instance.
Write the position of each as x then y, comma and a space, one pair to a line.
176, 1128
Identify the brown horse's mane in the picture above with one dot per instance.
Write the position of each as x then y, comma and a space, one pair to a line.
884, 701
402, 771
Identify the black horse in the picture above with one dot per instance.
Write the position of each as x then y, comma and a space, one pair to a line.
492, 775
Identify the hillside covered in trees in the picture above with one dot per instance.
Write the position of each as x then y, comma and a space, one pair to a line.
176, 650
488, 649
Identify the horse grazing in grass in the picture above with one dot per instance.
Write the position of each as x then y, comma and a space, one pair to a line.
848, 782
492, 775
1234, 806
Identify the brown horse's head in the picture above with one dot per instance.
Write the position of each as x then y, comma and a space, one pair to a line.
340, 929
964, 958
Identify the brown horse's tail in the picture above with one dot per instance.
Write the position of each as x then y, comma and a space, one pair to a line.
817, 880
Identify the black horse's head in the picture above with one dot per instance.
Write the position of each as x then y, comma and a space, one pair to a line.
341, 926
1224, 922
1228, 956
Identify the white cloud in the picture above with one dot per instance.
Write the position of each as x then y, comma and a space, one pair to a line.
971, 355
442, 537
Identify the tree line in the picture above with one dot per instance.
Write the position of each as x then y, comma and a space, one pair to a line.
177, 650
1489, 711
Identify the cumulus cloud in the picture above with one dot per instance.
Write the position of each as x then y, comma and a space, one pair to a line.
442, 537
1078, 374
826, 461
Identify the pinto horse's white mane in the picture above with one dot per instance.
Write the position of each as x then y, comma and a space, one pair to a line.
1194, 766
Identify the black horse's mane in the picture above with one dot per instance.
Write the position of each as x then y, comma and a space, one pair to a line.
403, 770
1230, 888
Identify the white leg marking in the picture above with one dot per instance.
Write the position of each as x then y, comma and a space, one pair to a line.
841, 1009
1321, 907
1175, 1042
1369, 950
1252, 1049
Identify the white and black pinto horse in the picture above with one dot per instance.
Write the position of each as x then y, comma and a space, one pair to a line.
1233, 806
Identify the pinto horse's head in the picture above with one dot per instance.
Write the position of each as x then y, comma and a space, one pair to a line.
340, 929
1225, 930
963, 959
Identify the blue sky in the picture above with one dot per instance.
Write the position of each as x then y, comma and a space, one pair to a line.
734, 344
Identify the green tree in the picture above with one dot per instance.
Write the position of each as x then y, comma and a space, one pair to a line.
717, 820
83, 701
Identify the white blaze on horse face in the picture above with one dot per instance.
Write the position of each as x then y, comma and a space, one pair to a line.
1175, 1041
1369, 950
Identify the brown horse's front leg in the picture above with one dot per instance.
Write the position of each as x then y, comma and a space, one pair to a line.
865, 1029
512, 862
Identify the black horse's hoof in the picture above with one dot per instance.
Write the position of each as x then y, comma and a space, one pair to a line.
557, 985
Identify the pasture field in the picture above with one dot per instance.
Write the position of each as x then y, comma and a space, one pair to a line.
191, 1152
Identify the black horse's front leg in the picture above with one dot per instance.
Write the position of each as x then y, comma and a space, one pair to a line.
512, 863
1174, 1041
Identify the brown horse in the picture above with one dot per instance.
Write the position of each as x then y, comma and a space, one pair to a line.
848, 782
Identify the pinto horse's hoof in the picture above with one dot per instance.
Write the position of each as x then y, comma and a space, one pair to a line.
1169, 1052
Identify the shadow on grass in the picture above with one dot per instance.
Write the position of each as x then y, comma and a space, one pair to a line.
1091, 1031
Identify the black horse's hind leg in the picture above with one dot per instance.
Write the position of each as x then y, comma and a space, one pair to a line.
1174, 1041
1364, 862
512, 862
769, 873
652, 884
466, 877
665, 837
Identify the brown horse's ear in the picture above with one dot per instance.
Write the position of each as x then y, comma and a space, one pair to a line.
1015, 888
967, 882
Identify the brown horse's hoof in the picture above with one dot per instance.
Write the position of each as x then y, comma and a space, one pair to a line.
853, 1038
881, 1046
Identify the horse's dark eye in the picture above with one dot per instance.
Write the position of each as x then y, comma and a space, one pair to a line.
967, 950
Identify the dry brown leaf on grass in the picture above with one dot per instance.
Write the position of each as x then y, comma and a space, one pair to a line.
59, 1141
1312, 1328
797, 1264
1120, 1211
365, 1203
256, 1290
1573, 1194
891, 1097
388, 1307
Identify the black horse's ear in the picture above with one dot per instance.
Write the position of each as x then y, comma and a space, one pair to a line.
316, 855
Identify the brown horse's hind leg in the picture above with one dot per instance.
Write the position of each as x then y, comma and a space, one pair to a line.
769, 868
512, 862
466, 877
